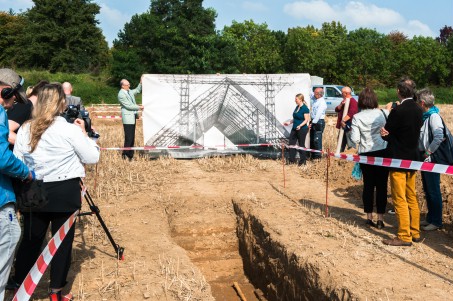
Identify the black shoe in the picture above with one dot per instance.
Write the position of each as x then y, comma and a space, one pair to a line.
380, 225
417, 239
370, 223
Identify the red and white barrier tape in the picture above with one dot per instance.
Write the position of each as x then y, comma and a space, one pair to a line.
183, 147
108, 117
388, 162
31, 281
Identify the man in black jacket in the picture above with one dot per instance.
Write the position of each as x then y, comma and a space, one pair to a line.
402, 132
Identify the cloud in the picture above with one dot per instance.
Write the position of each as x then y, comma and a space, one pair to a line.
254, 6
313, 10
365, 15
112, 21
356, 14
417, 28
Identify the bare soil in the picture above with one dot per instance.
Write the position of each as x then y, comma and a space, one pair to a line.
191, 228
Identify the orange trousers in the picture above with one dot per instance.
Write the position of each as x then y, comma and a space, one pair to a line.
406, 204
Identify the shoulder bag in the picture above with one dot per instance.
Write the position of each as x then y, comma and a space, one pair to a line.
30, 196
444, 154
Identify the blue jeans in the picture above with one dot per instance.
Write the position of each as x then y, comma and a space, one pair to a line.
431, 187
316, 137
9, 237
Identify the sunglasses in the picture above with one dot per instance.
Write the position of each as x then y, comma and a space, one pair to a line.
7, 93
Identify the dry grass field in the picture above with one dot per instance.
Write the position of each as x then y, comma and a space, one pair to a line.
177, 223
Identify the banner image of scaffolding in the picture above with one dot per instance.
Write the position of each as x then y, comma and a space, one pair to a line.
218, 112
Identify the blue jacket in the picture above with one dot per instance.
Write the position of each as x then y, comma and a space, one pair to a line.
10, 166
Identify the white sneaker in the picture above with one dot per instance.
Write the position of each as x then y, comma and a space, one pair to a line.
424, 223
430, 227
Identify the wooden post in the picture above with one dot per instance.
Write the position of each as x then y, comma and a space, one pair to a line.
341, 133
283, 164
327, 182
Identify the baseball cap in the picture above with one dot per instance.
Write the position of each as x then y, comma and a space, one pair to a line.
11, 78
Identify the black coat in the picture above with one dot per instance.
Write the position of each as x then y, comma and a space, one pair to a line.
404, 124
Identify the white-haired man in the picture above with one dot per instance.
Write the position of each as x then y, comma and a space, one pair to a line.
129, 113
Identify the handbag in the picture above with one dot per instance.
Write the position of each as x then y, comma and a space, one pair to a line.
356, 172
444, 153
30, 196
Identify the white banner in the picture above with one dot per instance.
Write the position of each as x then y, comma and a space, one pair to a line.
222, 109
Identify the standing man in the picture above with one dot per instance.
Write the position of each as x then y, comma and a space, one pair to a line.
345, 122
70, 99
402, 131
10, 91
129, 113
317, 125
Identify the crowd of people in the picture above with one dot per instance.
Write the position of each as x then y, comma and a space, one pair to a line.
41, 144
408, 129
38, 144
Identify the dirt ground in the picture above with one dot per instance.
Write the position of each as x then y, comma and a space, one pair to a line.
178, 224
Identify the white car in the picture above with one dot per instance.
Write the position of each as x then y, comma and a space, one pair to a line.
332, 96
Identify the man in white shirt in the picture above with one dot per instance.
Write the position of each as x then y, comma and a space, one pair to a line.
317, 114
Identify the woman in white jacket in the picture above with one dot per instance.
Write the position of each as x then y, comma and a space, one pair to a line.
365, 131
56, 151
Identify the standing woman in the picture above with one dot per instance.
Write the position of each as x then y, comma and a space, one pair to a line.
365, 131
56, 150
301, 118
431, 137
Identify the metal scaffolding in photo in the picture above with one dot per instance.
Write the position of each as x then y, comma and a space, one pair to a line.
227, 104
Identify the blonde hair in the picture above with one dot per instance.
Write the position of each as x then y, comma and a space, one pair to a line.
50, 104
301, 97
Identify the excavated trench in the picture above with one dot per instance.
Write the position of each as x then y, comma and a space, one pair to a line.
236, 247
280, 274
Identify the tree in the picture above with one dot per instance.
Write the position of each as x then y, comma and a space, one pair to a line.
63, 35
364, 58
257, 46
445, 33
11, 29
423, 59
172, 37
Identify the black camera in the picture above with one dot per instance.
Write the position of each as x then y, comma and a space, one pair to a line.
73, 112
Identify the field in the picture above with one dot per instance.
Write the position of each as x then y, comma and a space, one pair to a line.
193, 228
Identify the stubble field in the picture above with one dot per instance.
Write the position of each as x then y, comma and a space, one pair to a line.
193, 228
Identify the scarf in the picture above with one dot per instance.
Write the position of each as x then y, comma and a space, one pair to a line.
431, 110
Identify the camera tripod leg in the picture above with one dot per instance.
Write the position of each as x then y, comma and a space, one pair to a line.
95, 210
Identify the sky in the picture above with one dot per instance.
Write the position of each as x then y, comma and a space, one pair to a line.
412, 17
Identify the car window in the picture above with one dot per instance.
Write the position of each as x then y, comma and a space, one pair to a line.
332, 92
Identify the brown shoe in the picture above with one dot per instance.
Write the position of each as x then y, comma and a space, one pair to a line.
396, 242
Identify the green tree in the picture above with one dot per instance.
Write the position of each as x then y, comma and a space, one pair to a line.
364, 58
257, 46
424, 60
63, 35
11, 29
172, 37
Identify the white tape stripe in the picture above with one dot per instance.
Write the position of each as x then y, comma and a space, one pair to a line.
21, 295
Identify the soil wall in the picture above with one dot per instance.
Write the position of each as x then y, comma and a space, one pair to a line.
278, 272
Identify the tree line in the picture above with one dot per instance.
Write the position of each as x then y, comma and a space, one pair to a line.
179, 36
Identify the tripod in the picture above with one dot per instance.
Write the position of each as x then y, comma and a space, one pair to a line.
95, 210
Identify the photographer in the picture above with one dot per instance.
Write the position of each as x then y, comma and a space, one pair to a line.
56, 150
10, 90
